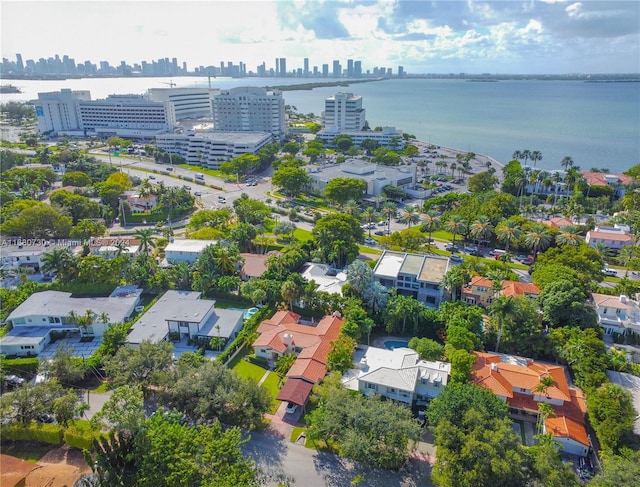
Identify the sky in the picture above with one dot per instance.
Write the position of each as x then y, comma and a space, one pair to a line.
509, 36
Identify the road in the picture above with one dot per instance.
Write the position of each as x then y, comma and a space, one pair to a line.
284, 463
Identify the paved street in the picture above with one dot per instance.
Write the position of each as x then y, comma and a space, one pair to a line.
275, 455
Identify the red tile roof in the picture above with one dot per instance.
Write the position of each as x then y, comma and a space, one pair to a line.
314, 340
563, 427
558, 222
599, 178
296, 391
513, 288
622, 237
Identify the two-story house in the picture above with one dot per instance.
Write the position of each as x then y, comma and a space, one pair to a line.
524, 383
416, 275
396, 374
614, 238
286, 333
185, 250
53, 311
617, 314
479, 291
186, 315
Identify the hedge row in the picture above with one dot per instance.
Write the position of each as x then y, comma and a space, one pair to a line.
52, 434
19, 366
250, 326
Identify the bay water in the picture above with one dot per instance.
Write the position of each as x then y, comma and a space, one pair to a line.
596, 124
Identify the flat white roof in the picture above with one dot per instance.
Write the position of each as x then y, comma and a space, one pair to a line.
389, 264
188, 245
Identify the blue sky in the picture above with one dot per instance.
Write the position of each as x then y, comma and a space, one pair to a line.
511, 36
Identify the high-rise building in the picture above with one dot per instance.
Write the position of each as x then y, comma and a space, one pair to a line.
350, 68
249, 109
283, 66
343, 111
306, 66
400, 71
19, 63
357, 69
56, 111
337, 69
188, 103
325, 70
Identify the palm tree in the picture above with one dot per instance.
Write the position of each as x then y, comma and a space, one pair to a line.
537, 237
517, 155
569, 235
526, 155
410, 216
546, 381
456, 225
61, 262
431, 221
544, 411
352, 208
480, 229
535, 157
502, 308
145, 235
507, 232
289, 292
359, 276
533, 180
566, 162
454, 279
369, 215
389, 211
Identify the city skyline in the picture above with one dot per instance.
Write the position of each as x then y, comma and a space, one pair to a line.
550, 36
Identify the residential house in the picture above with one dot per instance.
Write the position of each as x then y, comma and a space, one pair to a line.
186, 315
416, 275
327, 278
254, 265
396, 374
558, 222
520, 383
616, 314
479, 290
615, 181
286, 333
46, 312
185, 250
140, 203
614, 238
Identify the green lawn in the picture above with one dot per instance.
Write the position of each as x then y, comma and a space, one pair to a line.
302, 235
271, 383
248, 370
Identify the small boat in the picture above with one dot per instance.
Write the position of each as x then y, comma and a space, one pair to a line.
9, 89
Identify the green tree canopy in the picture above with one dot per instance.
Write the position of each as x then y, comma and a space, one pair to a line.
341, 190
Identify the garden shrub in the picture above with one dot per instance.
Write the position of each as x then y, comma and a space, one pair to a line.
80, 438
19, 366
51, 434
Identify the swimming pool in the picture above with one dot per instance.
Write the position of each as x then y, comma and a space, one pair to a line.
391, 344
250, 312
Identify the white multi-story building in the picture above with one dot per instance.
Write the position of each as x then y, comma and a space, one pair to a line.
419, 276
614, 238
126, 115
344, 112
376, 177
188, 103
74, 113
186, 250
387, 137
56, 111
210, 149
249, 109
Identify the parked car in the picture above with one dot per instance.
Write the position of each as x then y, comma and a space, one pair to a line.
45, 418
169, 168
222, 199
151, 176
188, 188
382, 233
369, 241
521, 257
197, 193
382, 223
451, 247
527, 261
455, 258
291, 408
609, 272
14, 380
471, 249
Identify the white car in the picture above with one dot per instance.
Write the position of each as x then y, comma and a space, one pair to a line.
370, 241
291, 408
609, 272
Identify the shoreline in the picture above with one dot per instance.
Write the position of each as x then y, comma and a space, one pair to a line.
453, 152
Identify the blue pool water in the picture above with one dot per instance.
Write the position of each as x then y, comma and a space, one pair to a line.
250, 312
391, 344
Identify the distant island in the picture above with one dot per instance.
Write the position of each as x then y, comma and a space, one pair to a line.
311, 86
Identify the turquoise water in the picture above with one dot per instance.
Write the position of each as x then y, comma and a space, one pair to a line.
391, 344
596, 124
